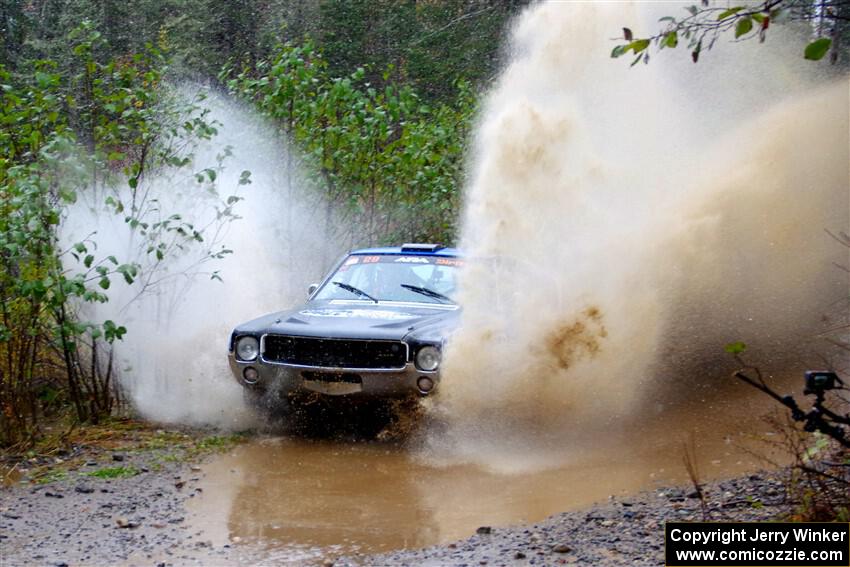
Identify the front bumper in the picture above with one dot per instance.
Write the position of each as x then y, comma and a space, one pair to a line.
368, 383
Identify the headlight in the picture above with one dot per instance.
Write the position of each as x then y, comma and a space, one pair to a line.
428, 358
247, 348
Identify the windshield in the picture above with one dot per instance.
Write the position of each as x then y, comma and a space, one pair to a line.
394, 277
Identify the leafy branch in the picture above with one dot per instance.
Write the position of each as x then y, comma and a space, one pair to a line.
705, 24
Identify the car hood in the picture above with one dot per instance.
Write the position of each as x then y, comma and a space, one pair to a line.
360, 320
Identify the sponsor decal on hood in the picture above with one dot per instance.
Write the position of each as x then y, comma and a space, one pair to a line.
356, 313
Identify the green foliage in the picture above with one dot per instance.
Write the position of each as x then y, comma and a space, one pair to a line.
730, 12
381, 157
33, 138
50, 476
820, 447
114, 472
213, 444
743, 26
754, 502
96, 129
818, 48
703, 25
735, 348
430, 45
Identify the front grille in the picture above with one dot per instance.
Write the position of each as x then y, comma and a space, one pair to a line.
334, 353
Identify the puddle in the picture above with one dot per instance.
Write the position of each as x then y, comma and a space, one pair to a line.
294, 499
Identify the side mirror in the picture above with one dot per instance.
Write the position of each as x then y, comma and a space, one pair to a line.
312, 289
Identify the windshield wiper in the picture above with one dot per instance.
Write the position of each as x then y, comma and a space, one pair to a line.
428, 292
354, 290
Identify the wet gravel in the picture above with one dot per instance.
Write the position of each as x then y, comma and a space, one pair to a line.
140, 520
618, 532
86, 520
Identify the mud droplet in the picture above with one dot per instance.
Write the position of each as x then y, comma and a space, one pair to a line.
576, 339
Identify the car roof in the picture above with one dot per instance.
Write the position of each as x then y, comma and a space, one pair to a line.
448, 252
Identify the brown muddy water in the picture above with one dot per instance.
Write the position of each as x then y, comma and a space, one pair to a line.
293, 499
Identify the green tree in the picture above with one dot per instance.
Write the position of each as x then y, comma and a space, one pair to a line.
14, 26
383, 160
95, 131
429, 45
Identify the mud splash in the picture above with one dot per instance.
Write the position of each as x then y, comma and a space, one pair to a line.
630, 222
582, 338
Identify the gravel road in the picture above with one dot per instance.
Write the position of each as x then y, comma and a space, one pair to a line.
86, 520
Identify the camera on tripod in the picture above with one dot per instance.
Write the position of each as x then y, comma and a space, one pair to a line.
819, 381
